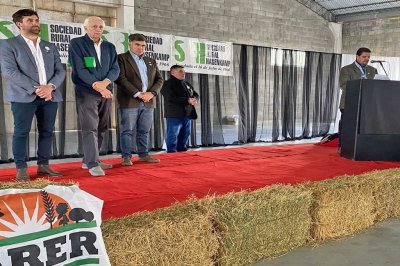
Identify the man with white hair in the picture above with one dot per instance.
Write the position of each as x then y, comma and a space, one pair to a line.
94, 69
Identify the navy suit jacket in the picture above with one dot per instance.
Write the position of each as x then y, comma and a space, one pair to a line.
84, 76
19, 68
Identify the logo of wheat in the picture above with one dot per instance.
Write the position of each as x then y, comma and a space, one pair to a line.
36, 212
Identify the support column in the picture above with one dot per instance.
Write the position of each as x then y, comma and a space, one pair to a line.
336, 29
126, 15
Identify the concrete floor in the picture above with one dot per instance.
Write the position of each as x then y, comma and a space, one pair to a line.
377, 246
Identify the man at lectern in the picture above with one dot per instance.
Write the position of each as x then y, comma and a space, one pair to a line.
359, 69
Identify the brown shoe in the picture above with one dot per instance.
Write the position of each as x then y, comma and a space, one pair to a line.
126, 161
46, 170
22, 175
103, 166
148, 159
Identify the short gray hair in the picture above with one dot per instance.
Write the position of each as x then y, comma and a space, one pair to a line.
89, 19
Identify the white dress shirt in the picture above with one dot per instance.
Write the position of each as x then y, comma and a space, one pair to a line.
37, 55
97, 47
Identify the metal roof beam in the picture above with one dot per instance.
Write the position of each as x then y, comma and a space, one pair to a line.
318, 9
363, 5
369, 15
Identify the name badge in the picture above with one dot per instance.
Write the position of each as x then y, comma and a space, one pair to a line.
90, 62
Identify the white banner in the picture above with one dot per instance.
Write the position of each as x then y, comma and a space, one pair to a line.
61, 34
203, 56
116, 37
197, 55
56, 225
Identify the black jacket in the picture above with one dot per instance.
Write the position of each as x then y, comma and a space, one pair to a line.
176, 94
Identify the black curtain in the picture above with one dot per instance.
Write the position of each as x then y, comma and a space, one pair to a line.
273, 95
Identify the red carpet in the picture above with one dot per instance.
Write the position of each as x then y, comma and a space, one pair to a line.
142, 186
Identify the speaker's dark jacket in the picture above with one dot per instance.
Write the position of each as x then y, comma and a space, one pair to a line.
352, 72
176, 95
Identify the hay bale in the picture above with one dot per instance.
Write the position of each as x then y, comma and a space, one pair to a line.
260, 224
36, 184
178, 235
387, 193
342, 206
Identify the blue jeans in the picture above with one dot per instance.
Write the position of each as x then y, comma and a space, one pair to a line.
138, 120
23, 115
178, 132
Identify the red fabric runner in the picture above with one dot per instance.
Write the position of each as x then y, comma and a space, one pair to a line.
143, 186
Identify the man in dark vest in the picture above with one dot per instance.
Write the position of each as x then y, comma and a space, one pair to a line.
180, 99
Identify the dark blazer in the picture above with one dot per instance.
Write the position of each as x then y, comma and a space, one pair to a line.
176, 95
84, 76
129, 81
19, 68
352, 72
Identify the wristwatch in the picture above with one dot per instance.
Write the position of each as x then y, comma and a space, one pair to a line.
154, 93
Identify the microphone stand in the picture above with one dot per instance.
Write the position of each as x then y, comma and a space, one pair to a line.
380, 62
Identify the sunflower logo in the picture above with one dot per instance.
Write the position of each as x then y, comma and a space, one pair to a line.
27, 212
50, 226
36, 211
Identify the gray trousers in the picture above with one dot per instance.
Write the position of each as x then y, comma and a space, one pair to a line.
93, 114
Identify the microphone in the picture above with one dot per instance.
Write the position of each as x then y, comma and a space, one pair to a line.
380, 62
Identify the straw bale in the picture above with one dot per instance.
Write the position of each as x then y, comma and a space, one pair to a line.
386, 193
260, 224
342, 206
36, 184
178, 235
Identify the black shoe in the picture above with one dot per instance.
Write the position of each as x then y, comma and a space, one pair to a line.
46, 170
22, 175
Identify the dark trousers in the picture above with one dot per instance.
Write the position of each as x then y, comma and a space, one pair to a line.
23, 114
178, 132
93, 113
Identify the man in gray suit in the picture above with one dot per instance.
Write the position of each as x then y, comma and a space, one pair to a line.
359, 69
33, 71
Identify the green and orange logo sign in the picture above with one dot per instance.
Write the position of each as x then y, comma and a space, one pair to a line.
43, 228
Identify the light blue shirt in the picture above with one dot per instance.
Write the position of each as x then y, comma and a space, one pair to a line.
143, 72
363, 70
